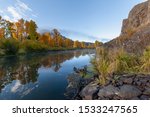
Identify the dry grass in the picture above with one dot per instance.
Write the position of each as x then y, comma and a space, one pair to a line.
108, 62
145, 60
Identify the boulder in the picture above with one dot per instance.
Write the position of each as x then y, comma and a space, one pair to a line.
144, 97
88, 92
148, 84
147, 92
135, 98
108, 92
128, 80
129, 92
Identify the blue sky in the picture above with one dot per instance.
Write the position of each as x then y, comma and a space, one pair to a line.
87, 20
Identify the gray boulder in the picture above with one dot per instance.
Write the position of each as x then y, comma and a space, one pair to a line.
88, 91
147, 92
128, 80
129, 92
109, 91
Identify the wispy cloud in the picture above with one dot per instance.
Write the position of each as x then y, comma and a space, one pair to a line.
23, 5
12, 10
17, 11
82, 36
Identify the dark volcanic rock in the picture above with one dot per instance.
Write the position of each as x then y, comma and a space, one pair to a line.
144, 97
88, 91
128, 80
135, 98
129, 92
75, 83
147, 92
109, 91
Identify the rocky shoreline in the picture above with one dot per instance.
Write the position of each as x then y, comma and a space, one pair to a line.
119, 87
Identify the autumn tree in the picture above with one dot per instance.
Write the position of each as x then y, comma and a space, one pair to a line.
47, 39
68, 43
32, 30
60, 41
20, 29
2, 33
6, 28
77, 44
56, 36
27, 25
97, 43
83, 45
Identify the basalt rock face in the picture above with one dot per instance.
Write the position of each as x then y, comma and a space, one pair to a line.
135, 33
138, 16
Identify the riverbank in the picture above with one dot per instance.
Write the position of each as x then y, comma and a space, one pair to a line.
51, 50
125, 86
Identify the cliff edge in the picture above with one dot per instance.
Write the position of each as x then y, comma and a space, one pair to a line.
135, 33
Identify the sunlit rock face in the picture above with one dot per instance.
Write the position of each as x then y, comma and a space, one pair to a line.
139, 16
135, 33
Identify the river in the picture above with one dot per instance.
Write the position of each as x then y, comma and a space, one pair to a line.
39, 76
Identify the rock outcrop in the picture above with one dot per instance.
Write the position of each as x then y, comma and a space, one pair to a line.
135, 33
126, 87
138, 17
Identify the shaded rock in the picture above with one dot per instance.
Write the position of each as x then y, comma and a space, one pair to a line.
129, 92
147, 92
138, 83
144, 97
128, 80
144, 81
88, 91
118, 83
148, 84
108, 91
84, 82
135, 98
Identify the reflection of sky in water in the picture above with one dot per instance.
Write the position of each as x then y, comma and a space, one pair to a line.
50, 83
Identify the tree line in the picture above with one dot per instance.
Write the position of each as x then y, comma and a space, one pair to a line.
25, 32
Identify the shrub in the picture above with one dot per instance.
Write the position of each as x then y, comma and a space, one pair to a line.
9, 46
33, 46
101, 64
115, 61
123, 61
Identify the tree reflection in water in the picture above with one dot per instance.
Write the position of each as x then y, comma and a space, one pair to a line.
24, 69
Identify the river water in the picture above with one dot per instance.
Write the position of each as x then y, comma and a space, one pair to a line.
39, 76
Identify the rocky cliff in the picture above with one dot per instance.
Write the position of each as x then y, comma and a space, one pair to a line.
135, 33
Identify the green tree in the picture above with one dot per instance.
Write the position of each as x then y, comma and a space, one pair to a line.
32, 30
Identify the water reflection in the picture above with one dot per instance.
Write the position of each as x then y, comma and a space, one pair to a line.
19, 76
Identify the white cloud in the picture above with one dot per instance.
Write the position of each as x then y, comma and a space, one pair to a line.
17, 11
12, 10
23, 5
7, 17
